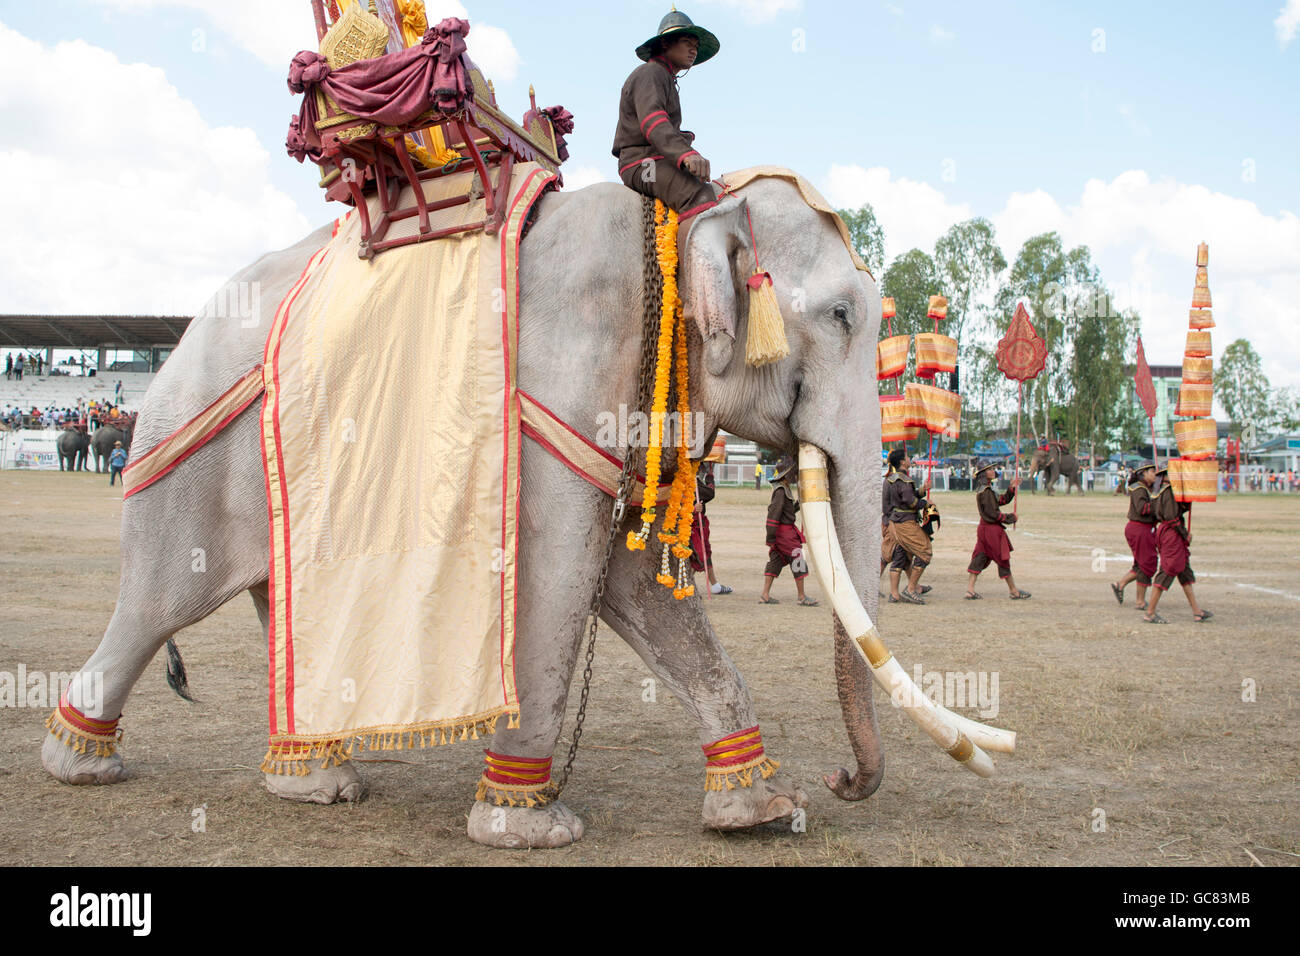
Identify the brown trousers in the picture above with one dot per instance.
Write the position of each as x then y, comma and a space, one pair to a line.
678, 189
911, 538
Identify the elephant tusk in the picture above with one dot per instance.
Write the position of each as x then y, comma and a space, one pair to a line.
961, 738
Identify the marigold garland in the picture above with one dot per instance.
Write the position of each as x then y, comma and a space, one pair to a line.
679, 517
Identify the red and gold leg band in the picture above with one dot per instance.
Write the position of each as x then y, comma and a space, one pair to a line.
84, 734
514, 781
733, 759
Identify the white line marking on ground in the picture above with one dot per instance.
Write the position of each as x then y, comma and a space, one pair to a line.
1256, 587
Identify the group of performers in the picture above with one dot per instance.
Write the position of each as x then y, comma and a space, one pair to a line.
1160, 541
908, 522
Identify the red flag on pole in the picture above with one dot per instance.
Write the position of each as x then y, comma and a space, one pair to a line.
1146, 389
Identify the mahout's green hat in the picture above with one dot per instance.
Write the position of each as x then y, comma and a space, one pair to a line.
676, 24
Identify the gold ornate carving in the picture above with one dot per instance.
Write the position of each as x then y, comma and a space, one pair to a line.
357, 132
357, 35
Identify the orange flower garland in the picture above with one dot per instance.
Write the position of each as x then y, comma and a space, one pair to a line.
666, 250
679, 517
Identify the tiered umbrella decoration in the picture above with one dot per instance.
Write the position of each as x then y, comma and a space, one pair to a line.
935, 409
891, 362
1021, 356
1194, 474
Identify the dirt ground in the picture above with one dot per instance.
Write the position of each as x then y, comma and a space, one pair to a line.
1136, 746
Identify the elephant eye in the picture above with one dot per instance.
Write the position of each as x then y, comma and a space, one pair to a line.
841, 314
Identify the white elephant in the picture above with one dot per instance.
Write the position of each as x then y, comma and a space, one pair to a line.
579, 348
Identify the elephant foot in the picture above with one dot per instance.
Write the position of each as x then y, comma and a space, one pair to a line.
80, 769
764, 801
338, 784
524, 828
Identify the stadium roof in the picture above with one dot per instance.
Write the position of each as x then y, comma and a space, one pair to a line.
91, 331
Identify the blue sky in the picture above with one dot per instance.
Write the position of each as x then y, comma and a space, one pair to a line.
1139, 129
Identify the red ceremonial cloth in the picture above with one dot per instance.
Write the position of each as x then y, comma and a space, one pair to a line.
1146, 389
1141, 540
1174, 553
391, 90
788, 539
991, 539
700, 550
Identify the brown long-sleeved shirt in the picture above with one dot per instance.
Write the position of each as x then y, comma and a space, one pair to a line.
989, 503
650, 117
1140, 506
1168, 508
783, 509
901, 501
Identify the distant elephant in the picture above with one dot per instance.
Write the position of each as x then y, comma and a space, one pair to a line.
72, 445
102, 444
1054, 461
581, 280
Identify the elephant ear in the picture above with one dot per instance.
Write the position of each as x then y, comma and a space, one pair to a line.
712, 275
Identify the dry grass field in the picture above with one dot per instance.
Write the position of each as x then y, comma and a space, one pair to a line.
1142, 727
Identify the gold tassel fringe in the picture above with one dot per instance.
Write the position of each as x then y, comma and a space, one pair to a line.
765, 341
741, 775
529, 795
293, 760
81, 742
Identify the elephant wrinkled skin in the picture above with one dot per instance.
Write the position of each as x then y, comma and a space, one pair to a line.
580, 352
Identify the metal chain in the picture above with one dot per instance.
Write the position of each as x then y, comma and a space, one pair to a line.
653, 282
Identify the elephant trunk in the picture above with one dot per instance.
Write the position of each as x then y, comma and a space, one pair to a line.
963, 739
850, 497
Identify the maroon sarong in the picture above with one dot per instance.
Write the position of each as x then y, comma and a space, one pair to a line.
782, 551
1175, 557
1141, 540
701, 553
991, 545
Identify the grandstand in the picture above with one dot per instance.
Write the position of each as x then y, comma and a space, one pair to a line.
95, 351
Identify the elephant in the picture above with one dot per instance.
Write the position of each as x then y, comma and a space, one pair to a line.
73, 444
1053, 461
102, 444
580, 316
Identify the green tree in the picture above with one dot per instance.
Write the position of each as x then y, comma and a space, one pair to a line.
1284, 405
867, 236
966, 259
1242, 386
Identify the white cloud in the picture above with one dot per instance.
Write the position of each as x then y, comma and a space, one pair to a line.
126, 201
581, 176
895, 10
275, 31
755, 11
1142, 233
913, 214
1287, 23
941, 36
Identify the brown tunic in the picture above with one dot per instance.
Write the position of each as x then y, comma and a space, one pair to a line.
989, 503
900, 501
1140, 506
650, 143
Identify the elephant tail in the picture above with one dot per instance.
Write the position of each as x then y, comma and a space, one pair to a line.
177, 679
